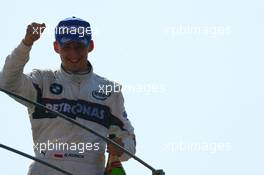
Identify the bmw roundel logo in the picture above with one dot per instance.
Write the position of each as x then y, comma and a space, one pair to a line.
56, 88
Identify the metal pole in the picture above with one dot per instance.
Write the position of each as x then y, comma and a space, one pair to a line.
33, 158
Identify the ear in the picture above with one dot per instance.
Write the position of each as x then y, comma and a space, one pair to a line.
56, 47
91, 46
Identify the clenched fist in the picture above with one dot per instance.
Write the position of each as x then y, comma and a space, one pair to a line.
33, 33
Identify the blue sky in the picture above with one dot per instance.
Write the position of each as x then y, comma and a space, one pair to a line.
202, 59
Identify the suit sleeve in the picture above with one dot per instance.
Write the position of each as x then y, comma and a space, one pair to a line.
121, 126
12, 77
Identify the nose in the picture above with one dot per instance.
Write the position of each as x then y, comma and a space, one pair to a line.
73, 52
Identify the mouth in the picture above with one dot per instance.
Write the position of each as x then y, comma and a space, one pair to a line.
73, 60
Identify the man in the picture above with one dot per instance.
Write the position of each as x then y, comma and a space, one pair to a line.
75, 91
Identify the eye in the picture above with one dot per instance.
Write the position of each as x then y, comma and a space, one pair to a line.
79, 47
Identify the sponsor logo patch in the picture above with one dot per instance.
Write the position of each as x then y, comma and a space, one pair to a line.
56, 88
100, 95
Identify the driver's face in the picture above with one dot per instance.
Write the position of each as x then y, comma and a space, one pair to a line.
74, 56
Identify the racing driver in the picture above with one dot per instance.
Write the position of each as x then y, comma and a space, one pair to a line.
74, 90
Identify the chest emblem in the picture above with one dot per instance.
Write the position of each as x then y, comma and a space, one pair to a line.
100, 95
56, 88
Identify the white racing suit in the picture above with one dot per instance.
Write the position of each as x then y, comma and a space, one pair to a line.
81, 97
